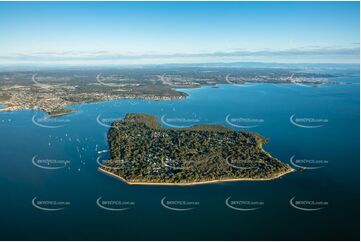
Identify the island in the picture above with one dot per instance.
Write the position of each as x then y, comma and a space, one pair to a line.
144, 152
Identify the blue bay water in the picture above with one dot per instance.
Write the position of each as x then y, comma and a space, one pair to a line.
80, 137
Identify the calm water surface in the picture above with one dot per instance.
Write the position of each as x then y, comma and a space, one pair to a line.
77, 138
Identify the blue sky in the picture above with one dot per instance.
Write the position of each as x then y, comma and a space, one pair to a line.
178, 32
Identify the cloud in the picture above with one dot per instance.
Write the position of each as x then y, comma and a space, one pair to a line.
311, 55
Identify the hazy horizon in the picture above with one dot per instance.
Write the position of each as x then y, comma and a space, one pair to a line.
137, 33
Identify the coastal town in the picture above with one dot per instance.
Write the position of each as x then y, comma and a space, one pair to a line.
54, 91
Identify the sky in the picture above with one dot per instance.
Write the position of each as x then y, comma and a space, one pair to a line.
97, 33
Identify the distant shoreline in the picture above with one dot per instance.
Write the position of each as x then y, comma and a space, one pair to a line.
8, 107
193, 183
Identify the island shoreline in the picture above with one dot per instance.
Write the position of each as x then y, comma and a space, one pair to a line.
192, 183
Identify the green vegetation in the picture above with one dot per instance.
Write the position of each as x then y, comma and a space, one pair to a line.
143, 151
53, 90
60, 112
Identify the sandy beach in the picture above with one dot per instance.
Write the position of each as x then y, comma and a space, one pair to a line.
193, 183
